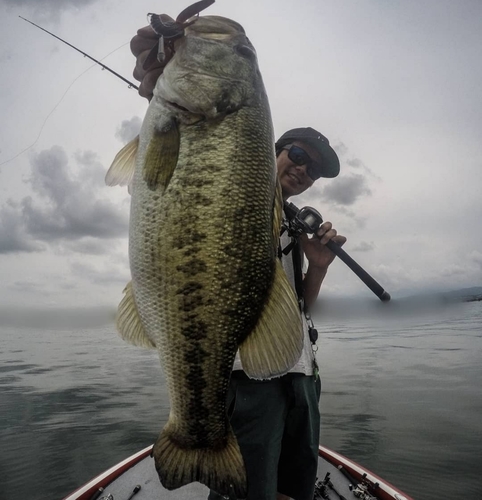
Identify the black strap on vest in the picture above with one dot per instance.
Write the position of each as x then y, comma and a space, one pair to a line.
294, 247
297, 256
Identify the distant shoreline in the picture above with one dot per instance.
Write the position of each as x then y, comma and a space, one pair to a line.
473, 299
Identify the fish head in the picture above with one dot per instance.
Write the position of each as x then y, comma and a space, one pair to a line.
214, 70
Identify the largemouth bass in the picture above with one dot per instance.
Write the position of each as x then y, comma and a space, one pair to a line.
203, 241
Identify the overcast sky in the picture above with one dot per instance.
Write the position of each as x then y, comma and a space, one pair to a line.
395, 85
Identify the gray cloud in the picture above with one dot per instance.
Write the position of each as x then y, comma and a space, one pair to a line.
92, 172
476, 258
340, 148
13, 237
364, 246
346, 190
87, 246
107, 275
72, 210
355, 163
47, 9
342, 151
67, 206
27, 286
50, 4
354, 216
128, 129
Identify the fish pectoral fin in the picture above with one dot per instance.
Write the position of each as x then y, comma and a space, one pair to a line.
129, 323
275, 345
121, 171
161, 157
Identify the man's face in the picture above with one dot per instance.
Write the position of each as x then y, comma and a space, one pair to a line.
293, 178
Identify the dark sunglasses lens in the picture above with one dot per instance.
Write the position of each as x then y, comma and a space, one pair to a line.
301, 157
313, 171
298, 155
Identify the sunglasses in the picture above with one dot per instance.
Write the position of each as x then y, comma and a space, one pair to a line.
301, 157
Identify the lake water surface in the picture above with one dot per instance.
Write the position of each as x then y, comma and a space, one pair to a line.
401, 395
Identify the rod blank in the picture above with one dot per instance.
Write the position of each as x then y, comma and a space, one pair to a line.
84, 54
375, 287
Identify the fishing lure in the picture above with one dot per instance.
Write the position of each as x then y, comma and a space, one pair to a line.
169, 30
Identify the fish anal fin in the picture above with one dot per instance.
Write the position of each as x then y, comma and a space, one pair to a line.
121, 172
275, 344
221, 467
161, 157
129, 323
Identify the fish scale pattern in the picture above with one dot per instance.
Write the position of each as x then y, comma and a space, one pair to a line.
208, 266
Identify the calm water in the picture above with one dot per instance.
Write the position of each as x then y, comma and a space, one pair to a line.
402, 395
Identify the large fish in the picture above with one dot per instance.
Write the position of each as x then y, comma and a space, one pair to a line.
203, 242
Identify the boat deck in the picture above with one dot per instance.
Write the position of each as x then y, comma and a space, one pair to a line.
136, 479
145, 475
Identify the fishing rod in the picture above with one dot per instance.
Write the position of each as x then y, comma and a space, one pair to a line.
308, 220
130, 84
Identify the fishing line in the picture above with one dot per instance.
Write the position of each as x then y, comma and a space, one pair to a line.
57, 105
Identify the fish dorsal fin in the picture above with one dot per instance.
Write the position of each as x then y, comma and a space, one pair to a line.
161, 157
275, 345
129, 323
121, 171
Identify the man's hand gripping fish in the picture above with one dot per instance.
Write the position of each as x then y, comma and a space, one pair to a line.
205, 218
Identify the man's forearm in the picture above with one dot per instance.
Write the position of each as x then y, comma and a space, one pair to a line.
312, 283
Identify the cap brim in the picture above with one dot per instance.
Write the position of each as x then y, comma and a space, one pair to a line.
330, 166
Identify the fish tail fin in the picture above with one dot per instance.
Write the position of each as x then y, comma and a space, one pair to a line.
275, 344
220, 468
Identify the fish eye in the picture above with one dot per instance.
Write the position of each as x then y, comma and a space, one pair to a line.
245, 50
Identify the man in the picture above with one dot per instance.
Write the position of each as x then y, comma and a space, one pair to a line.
277, 421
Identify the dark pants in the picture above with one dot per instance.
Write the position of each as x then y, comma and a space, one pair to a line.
277, 424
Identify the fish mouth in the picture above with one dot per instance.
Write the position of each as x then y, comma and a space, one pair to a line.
177, 106
185, 115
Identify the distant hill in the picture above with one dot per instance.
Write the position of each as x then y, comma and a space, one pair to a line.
464, 294
471, 294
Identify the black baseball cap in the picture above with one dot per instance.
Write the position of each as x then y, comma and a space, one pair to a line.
330, 163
